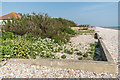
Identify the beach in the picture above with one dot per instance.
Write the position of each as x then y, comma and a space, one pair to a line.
17, 70
110, 39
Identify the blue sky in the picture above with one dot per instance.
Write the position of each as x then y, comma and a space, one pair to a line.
94, 13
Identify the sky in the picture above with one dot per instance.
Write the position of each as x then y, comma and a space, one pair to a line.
93, 13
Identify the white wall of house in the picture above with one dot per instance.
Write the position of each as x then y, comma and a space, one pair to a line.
2, 21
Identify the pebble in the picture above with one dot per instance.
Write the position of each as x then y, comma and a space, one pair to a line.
80, 42
110, 39
16, 70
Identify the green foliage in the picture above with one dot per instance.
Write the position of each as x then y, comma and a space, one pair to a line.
92, 49
93, 54
85, 55
28, 47
76, 49
90, 52
15, 48
68, 51
92, 45
79, 53
7, 35
85, 31
66, 22
63, 56
40, 25
80, 58
70, 31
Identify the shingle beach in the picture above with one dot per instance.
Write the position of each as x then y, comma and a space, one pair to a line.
17, 70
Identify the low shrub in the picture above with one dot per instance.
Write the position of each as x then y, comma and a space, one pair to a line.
68, 51
90, 52
85, 55
16, 48
7, 35
63, 56
41, 25
85, 29
80, 58
70, 31
23, 47
79, 53
76, 50
92, 45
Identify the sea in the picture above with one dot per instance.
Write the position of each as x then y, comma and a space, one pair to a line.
112, 27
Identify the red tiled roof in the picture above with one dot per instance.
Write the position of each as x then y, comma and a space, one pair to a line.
11, 15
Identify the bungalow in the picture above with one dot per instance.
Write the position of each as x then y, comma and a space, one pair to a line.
9, 16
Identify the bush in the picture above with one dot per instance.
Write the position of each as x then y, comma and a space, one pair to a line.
79, 53
63, 56
16, 49
68, 51
80, 58
90, 52
85, 55
7, 35
92, 45
76, 50
70, 31
40, 25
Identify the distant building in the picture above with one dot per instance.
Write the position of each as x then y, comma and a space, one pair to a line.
11, 15
87, 25
80, 27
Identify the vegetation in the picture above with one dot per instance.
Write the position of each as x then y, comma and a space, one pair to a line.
79, 53
39, 35
80, 58
92, 51
76, 50
85, 55
16, 46
34, 35
68, 51
85, 31
42, 25
63, 56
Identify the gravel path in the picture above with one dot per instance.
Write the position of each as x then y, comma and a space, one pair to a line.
110, 39
16, 70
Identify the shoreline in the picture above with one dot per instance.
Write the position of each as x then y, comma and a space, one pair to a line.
116, 28
110, 39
